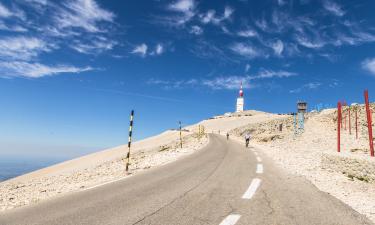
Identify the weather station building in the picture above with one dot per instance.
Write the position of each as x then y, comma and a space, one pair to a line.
240, 101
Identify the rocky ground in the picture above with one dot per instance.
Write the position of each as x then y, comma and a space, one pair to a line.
20, 192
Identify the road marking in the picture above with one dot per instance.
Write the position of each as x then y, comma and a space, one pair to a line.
112, 181
259, 168
259, 159
252, 189
231, 219
256, 153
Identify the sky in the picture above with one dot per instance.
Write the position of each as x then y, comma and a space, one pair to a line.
72, 70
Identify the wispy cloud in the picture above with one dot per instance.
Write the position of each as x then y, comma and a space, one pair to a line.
140, 50
333, 8
308, 86
247, 33
36, 70
278, 47
197, 30
84, 14
22, 47
186, 10
369, 65
247, 68
4, 11
95, 46
264, 73
228, 82
211, 17
245, 50
222, 82
143, 50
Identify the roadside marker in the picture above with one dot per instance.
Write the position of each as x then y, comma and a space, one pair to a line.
129, 140
252, 188
369, 124
339, 125
180, 134
231, 219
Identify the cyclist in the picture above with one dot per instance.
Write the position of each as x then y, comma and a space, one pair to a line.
247, 139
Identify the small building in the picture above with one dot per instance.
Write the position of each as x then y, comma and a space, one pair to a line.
301, 107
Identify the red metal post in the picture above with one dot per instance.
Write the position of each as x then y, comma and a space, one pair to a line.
369, 124
356, 123
350, 126
339, 124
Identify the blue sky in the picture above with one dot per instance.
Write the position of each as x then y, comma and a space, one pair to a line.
71, 70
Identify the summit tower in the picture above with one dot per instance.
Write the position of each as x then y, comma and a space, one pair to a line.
240, 100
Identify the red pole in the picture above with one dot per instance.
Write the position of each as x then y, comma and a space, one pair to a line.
350, 126
369, 124
339, 123
356, 123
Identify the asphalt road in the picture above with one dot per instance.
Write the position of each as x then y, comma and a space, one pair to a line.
223, 183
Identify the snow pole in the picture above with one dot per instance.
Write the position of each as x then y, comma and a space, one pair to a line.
350, 126
338, 125
129, 140
369, 124
356, 123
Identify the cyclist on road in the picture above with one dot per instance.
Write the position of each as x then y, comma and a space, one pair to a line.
247, 139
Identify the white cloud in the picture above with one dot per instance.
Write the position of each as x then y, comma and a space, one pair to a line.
13, 28
159, 49
209, 17
41, 2
244, 50
223, 82
94, 46
197, 30
140, 50
36, 70
229, 82
369, 65
247, 68
4, 11
22, 47
306, 42
278, 47
84, 14
247, 33
184, 6
228, 11
308, 86
333, 7
263, 74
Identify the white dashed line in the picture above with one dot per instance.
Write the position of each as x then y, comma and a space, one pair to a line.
259, 159
259, 168
231, 219
256, 153
252, 189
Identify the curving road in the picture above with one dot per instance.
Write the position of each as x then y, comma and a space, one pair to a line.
223, 183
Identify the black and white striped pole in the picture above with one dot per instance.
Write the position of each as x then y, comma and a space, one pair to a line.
129, 140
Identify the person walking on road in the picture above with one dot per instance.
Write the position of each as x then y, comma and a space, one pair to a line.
227, 136
247, 139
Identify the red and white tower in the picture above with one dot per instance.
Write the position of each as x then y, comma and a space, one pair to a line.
240, 100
